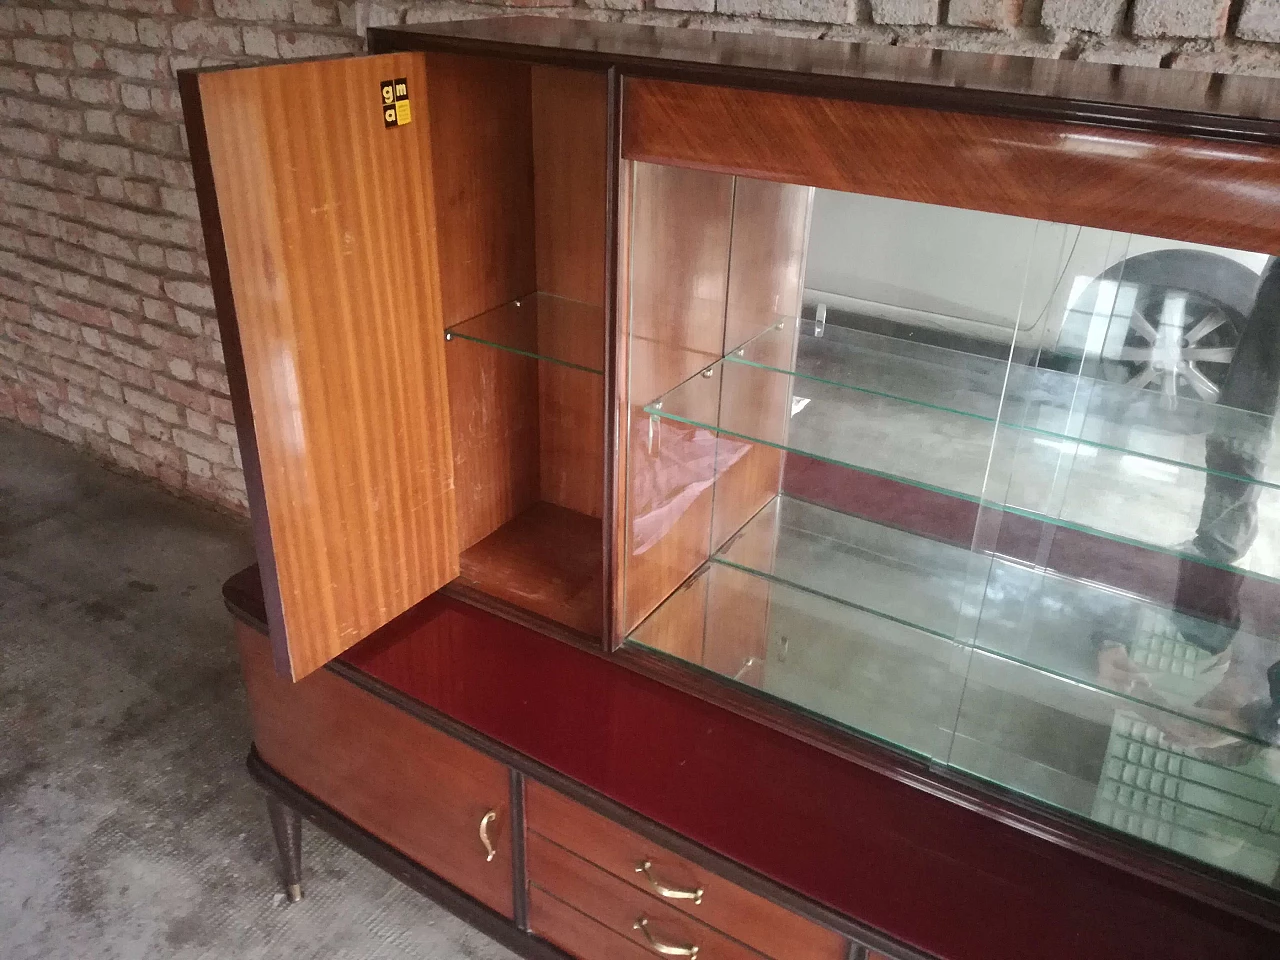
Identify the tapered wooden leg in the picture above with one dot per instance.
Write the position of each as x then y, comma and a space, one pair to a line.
286, 824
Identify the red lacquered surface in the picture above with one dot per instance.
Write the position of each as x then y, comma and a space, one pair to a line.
928, 871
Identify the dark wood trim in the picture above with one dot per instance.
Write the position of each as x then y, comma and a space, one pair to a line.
519, 839
1132, 98
408, 872
237, 378
729, 869
1208, 885
612, 439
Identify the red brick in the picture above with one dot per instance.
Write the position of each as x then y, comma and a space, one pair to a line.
275, 10
190, 397
93, 90
19, 81
108, 27
147, 403
43, 53
99, 156
131, 63
74, 310
204, 37
31, 143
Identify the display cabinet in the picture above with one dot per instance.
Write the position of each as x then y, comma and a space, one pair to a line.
980, 492
837, 479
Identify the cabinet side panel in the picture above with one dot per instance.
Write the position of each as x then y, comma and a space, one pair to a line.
403, 781
482, 171
1173, 187
482, 174
493, 400
331, 254
570, 142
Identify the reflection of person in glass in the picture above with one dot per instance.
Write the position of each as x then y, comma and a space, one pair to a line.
1233, 688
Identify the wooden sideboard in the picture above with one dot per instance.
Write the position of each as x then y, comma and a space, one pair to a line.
484, 292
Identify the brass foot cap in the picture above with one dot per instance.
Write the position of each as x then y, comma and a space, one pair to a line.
295, 892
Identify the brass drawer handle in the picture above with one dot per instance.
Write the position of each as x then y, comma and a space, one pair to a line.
487, 819
666, 949
671, 893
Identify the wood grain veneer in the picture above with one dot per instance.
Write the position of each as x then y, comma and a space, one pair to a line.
677, 280
766, 284
403, 781
481, 127
1182, 101
570, 141
1178, 188
867, 832
692, 301
574, 931
767, 927
330, 249
493, 402
619, 397
571, 439
618, 905
546, 560
481, 124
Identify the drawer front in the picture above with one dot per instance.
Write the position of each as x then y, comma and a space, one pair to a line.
410, 785
769, 928
628, 912
576, 933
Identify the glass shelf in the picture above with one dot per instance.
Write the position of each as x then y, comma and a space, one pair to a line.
975, 486
1057, 405
544, 327
1139, 498
1028, 615
1079, 747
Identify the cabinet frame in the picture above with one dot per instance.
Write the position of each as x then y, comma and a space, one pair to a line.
1065, 94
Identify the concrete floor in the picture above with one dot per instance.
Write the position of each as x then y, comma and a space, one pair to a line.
128, 826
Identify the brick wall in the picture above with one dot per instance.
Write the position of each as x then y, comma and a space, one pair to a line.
107, 331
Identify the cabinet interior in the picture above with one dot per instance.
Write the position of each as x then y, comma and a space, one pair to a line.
518, 155
965, 483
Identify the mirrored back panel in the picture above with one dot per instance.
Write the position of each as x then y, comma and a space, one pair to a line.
998, 492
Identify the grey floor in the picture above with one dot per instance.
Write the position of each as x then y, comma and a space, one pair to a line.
128, 826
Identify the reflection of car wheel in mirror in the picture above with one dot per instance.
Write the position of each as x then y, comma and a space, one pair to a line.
1184, 311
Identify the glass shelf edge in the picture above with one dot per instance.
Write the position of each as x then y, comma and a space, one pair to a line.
1058, 435
970, 645
656, 411
459, 330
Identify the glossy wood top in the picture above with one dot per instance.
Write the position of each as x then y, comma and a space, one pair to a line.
1163, 186
1140, 97
328, 224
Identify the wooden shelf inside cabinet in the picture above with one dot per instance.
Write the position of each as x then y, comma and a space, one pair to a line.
547, 560
527, 392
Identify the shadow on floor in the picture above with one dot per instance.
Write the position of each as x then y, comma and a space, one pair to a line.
128, 826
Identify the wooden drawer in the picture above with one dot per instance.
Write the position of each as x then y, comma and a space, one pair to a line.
621, 907
769, 928
410, 785
575, 932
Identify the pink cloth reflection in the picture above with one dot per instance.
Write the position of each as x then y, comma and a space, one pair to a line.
665, 482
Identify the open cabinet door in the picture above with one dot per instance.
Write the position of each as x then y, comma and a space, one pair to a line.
320, 230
